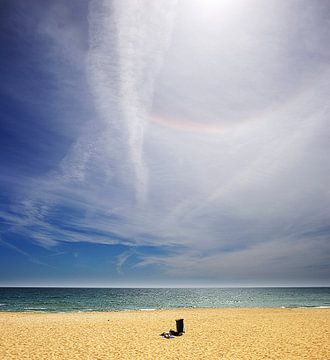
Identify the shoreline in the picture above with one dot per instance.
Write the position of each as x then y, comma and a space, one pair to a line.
91, 311
211, 333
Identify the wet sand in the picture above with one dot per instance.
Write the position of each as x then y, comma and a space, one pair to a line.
210, 334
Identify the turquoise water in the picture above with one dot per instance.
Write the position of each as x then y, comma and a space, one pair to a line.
112, 299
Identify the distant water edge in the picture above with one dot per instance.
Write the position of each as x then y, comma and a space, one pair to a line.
116, 299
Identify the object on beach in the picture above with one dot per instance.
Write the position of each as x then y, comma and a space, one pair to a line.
179, 326
167, 335
179, 330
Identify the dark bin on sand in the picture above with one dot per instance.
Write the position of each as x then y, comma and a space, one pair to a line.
179, 326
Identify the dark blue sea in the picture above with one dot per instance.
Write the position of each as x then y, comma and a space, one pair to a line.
114, 299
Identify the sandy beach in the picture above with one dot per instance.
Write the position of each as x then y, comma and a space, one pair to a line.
210, 334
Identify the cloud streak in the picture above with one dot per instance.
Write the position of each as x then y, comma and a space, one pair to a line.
127, 43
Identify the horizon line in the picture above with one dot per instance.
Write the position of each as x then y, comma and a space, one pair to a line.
164, 287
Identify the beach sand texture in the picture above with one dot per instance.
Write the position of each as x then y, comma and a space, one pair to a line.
210, 334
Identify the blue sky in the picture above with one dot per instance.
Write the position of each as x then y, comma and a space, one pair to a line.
177, 143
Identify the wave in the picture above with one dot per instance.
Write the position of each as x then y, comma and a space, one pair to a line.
305, 307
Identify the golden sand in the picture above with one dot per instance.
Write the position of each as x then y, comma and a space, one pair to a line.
210, 334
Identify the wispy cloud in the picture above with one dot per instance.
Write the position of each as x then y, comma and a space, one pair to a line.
121, 259
127, 45
30, 257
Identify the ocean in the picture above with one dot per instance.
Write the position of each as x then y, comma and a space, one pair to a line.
115, 299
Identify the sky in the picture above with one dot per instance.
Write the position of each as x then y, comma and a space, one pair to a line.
164, 143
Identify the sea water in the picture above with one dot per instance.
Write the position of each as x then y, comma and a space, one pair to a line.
114, 299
